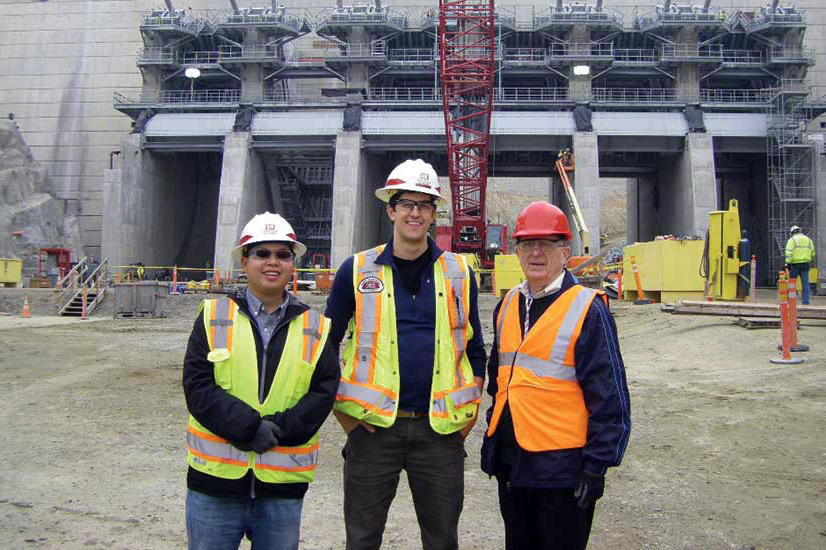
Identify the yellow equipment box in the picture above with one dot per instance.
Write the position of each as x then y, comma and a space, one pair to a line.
507, 273
669, 270
11, 272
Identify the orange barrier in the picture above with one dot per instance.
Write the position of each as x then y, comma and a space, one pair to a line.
641, 299
174, 289
620, 295
26, 312
295, 282
794, 345
785, 326
84, 313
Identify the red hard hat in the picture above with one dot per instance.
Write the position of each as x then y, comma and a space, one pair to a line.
542, 219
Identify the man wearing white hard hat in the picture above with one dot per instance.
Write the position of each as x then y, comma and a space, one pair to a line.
260, 377
413, 368
800, 252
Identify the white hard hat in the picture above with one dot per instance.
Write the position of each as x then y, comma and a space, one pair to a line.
416, 176
265, 228
794, 229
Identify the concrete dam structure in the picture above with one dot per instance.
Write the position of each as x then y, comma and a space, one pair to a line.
305, 111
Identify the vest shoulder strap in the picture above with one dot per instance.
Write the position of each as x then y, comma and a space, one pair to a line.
220, 321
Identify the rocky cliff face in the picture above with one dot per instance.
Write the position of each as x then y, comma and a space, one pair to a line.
30, 217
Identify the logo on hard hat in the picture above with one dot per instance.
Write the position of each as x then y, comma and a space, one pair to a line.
269, 228
370, 285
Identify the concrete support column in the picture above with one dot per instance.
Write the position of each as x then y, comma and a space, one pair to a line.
358, 74
688, 75
579, 87
688, 188
588, 189
243, 194
252, 74
642, 209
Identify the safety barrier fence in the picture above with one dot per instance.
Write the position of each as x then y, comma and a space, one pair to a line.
743, 57
576, 14
691, 51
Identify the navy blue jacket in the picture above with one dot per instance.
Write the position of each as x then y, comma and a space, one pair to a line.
601, 375
415, 323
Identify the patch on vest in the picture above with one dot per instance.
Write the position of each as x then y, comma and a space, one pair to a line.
198, 460
370, 285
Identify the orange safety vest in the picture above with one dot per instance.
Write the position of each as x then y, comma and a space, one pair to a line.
537, 374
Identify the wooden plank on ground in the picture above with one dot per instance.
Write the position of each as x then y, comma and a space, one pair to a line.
737, 309
758, 322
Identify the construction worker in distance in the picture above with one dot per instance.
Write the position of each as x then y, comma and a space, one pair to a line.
800, 252
260, 377
560, 414
413, 368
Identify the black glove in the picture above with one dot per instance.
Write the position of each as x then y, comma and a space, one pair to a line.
265, 438
589, 489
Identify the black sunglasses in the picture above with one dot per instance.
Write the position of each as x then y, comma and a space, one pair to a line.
264, 253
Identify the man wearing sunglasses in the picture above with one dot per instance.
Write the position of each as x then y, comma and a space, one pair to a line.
413, 368
560, 414
260, 377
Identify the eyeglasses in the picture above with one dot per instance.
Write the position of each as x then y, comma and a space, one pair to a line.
544, 245
425, 207
264, 253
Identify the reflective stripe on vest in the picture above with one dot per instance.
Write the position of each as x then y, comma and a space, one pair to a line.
220, 324
379, 400
207, 446
368, 319
455, 280
537, 373
288, 459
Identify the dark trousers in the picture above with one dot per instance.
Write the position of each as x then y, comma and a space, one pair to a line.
543, 519
802, 271
435, 470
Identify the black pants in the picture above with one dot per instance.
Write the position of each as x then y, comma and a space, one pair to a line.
435, 471
543, 519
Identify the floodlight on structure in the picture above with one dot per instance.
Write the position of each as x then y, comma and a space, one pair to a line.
582, 70
192, 72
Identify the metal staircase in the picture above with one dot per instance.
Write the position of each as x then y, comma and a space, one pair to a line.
84, 278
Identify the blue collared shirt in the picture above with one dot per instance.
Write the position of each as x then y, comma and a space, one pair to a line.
266, 322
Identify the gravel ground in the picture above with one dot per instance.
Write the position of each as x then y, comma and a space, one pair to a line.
727, 450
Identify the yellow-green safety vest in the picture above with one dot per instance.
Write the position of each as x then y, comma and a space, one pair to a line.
369, 386
232, 350
799, 249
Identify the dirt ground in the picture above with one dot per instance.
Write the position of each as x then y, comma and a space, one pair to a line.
727, 451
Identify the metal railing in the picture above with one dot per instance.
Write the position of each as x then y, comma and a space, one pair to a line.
404, 94
791, 55
361, 15
505, 95
181, 96
688, 51
563, 50
743, 57
236, 53
579, 14
201, 57
412, 55
634, 95
724, 95
264, 16
378, 49
164, 18
635, 55
526, 55
155, 54
300, 95
766, 19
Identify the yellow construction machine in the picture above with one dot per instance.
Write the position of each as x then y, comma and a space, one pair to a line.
726, 256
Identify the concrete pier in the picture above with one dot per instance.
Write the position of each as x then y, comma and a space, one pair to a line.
587, 186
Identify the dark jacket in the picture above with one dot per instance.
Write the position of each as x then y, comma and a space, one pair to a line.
415, 323
601, 375
230, 418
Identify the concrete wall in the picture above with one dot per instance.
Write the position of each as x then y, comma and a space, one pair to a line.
687, 187
587, 185
145, 205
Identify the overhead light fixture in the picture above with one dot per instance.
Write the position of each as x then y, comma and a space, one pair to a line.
582, 70
192, 72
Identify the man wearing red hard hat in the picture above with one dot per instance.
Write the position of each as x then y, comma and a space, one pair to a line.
260, 377
560, 414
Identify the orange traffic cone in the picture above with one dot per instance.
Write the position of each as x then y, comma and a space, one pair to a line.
26, 312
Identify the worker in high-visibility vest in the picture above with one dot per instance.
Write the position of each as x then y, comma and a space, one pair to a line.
800, 252
560, 415
259, 377
413, 368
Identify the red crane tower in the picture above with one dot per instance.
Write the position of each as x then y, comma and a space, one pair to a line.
467, 43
